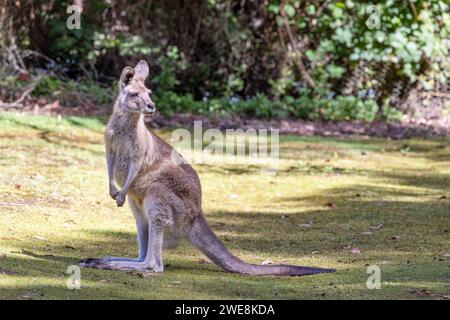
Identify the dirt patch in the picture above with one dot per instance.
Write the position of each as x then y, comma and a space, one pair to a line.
395, 130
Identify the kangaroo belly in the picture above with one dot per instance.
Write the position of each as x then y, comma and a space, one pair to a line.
171, 240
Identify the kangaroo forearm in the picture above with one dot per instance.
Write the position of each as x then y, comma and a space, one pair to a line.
110, 162
132, 173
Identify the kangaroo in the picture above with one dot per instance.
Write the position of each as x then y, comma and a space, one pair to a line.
164, 195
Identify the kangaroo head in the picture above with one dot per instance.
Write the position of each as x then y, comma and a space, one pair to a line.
134, 96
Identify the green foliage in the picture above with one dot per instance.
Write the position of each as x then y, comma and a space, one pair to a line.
350, 108
337, 108
47, 86
360, 56
260, 107
10, 88
123, 43
168, 62
168, 102
70, 92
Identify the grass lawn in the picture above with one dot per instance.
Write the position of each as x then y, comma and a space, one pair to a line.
340, 203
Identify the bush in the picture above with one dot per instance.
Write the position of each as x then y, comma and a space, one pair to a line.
47, 86
338, 108
349, 108
239, 58
259, 107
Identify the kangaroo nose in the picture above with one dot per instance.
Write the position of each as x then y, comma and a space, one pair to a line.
150, 107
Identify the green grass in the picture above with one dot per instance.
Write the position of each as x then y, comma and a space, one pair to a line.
55, 209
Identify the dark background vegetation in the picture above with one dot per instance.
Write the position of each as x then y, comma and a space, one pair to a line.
261, 59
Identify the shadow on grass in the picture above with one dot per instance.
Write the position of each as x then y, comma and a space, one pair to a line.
263, 235
202, 281
90, 123
61, 139
419, 179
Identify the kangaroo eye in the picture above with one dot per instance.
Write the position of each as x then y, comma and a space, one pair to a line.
134, 94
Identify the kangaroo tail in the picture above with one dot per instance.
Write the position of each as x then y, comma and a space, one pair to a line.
202, 237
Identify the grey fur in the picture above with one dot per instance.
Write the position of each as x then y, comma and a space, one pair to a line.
164, 193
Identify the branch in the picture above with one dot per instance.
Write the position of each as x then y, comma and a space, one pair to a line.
18, 102
413, 8
436, 94
299, 62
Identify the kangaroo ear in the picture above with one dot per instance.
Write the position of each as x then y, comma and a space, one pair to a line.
126, 76
141, 70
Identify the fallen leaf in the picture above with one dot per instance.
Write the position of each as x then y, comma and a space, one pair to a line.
330, 205
443, 197
447, 255
18, 186
148, 274
204, 261
68, 223
306, 225
23, 76
378, 227
176, 282
367, 233
265, 262
39, 238
395, 237
70, 247
352, 249
233, 196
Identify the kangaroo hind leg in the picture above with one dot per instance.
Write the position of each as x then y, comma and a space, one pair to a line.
142, 236
160, 215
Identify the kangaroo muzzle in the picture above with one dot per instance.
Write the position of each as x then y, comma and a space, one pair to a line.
150, 108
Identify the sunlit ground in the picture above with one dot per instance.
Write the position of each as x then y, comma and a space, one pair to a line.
340, 203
